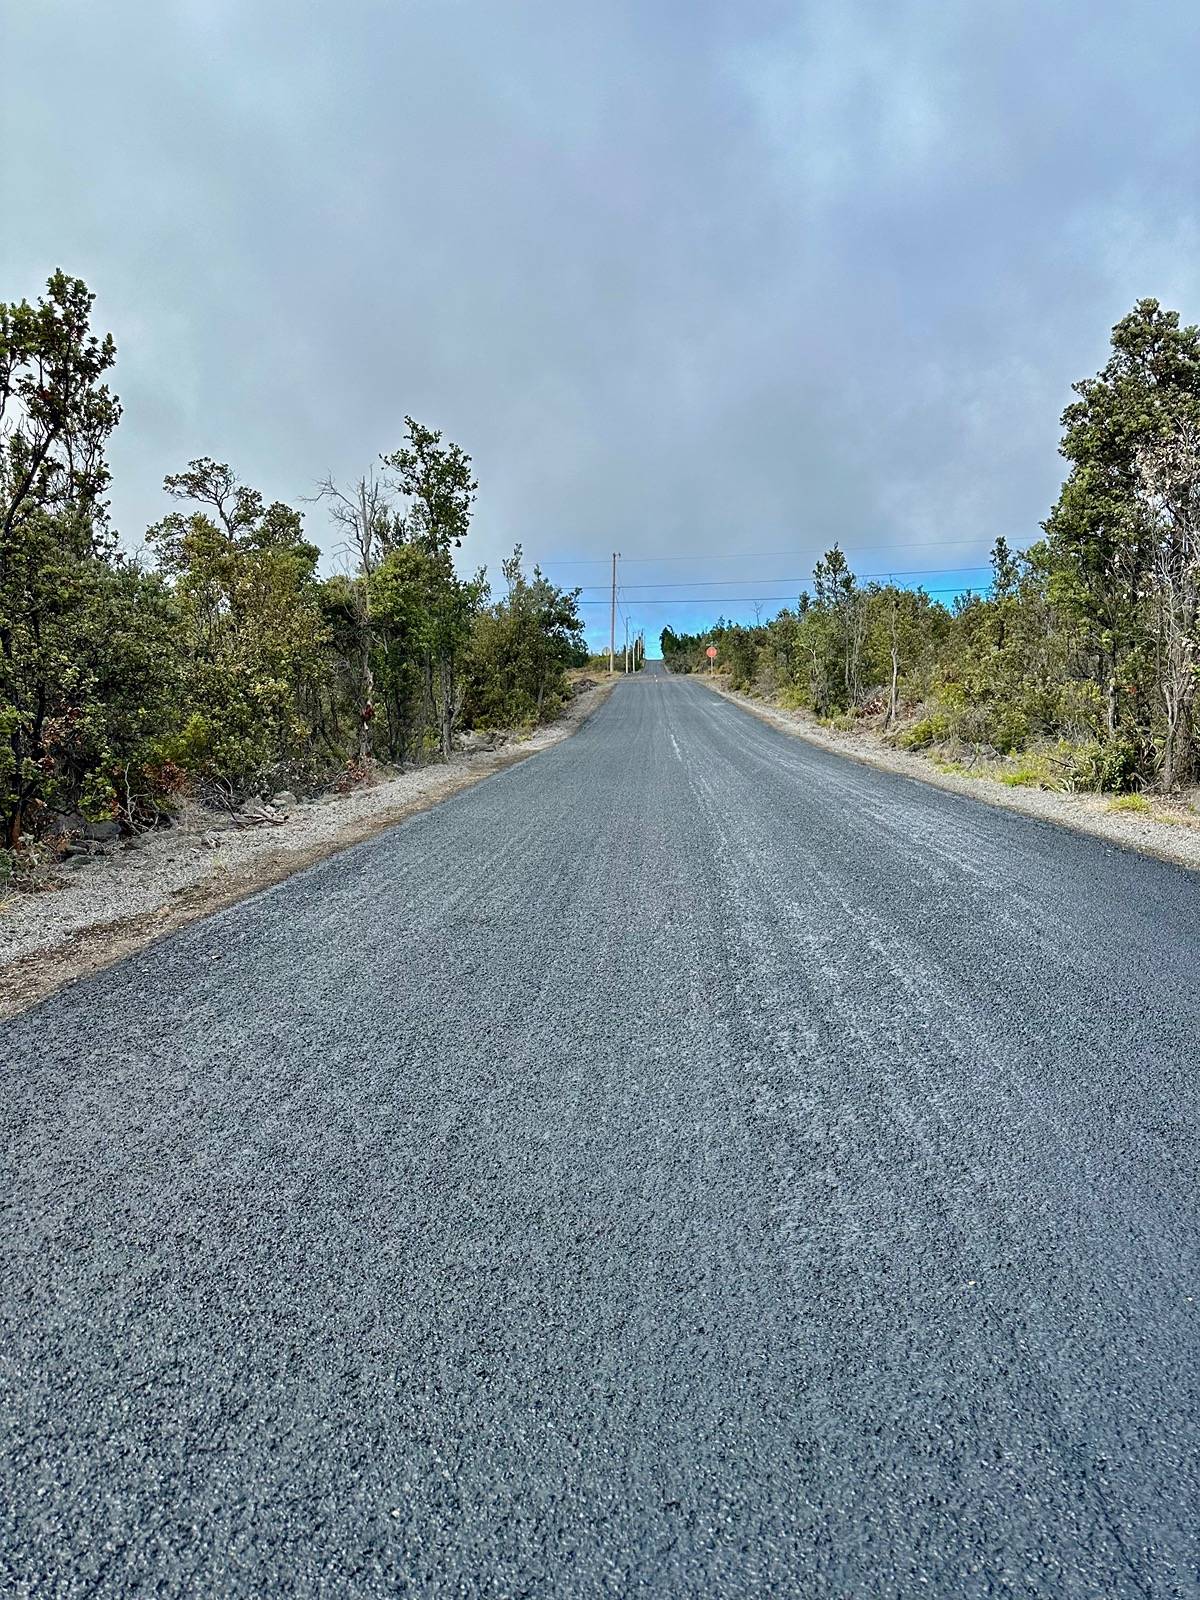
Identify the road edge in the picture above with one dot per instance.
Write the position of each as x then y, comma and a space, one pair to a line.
28, 980
1059, 810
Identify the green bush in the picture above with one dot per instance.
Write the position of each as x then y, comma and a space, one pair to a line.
1118, 767
928, 731
1007, 729
795, 698
1106, 764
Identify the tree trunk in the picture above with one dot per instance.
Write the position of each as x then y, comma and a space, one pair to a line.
446, 709
431, 710
367, 711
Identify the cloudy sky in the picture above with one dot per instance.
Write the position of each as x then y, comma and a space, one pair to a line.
711, 282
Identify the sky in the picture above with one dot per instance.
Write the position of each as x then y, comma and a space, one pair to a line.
713, 283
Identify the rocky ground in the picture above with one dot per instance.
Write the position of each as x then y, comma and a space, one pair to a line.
1169, 830
111, 895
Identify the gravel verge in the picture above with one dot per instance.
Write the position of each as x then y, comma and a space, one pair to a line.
116, 903
1168, 834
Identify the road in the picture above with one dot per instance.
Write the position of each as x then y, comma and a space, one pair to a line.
687, 1164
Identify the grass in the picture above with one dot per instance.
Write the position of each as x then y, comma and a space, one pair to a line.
957, 769
1024, 778
1033, 771
1130, 802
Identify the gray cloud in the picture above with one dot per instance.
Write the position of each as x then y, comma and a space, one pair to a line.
688, 279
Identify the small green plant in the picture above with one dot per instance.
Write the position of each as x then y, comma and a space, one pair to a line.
957, 769
1037, 769
1129, 802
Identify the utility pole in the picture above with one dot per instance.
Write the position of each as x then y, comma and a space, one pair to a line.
626, 646
612, 619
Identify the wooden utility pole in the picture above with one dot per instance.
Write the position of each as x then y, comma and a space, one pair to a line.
612, 619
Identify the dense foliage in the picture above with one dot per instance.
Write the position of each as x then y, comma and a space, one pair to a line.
224, 662
1085, 647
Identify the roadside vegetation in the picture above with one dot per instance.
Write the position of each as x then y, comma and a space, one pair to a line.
1079, 667
220, 662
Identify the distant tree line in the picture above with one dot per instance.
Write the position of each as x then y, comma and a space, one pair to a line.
223, 661
1086, 647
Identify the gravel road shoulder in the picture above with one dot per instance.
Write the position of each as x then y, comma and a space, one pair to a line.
120, 902
1165, 833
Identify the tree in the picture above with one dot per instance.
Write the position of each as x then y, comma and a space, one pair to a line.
1169, 498
252, 629
404, 601
437, 479
838, 595
56, 415
521, 648
364, 517
1104, 535
902, 622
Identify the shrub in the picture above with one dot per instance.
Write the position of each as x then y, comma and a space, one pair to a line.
1106, 764
927, 731
795, 698
1007, 729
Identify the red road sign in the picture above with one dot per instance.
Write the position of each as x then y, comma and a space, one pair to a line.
711, 652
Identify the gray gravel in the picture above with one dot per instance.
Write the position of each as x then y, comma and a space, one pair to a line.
689, 1164
1167, 828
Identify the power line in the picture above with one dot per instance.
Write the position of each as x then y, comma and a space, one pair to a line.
764, 599
863, 577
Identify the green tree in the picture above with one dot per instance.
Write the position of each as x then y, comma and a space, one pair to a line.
840, 599
254, 638
56, 415
437, 481
1105, 536
521, 648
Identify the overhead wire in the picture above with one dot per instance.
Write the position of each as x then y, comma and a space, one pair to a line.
865, 577
765, 599
778, 601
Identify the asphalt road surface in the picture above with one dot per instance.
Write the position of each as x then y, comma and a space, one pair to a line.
687, 1164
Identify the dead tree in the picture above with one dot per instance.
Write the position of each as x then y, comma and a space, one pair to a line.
363, 514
